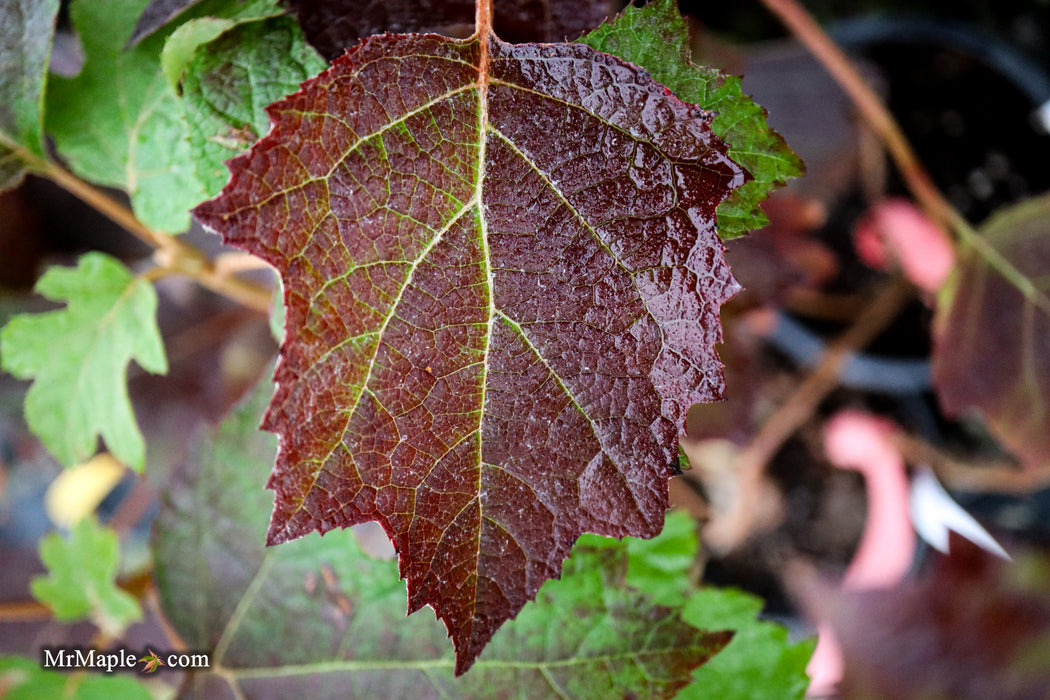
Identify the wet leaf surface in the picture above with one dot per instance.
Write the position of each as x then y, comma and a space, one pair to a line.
502, 284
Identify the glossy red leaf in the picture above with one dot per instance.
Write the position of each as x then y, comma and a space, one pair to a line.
502, 284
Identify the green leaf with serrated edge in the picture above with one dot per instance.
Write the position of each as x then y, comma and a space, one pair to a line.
760, 663
230, 82
661, 566
656, 38
79, 357
24, 679
187, 37
118, 123
26, 30
318, 616
82, 578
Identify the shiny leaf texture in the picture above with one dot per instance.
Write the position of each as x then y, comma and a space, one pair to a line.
26, 30
992, 342
79, 355
180, 46
502, 284
333, 26
319, 618
656, 38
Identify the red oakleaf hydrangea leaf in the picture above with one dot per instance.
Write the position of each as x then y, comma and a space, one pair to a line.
502, 284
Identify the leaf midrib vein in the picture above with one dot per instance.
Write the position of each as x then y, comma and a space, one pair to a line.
336, 666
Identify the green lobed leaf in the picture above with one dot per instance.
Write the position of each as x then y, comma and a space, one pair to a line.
318, 617
991, 348
118, 123
187, 37
662, 566
82, 578
78, 357
26, 31
759, 663
228, 85
23, 679
656, 38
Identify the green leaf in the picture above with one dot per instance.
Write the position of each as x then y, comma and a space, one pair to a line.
184, 41
759, 664
82, 580
118, 123
656, 38
23, 679
662, 566
230, 82
26, 31
317, 616
79, 356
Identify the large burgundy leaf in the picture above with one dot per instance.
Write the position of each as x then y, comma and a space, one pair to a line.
502, 284
332, 26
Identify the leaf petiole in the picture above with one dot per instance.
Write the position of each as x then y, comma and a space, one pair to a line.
171, 254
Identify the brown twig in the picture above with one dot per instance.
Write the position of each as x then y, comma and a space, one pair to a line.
958, 475
809, 33
132, 507
171, 254
23, 611
820, 45
799, 407
152, 598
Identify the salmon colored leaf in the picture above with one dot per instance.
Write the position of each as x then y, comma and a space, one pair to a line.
502, 283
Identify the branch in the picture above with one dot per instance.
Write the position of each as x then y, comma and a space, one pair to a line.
171, 254
958, 475
871, 109
799, 407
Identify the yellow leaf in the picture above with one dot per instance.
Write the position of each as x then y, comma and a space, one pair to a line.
78, 491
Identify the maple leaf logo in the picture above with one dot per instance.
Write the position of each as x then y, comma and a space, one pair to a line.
152, 661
